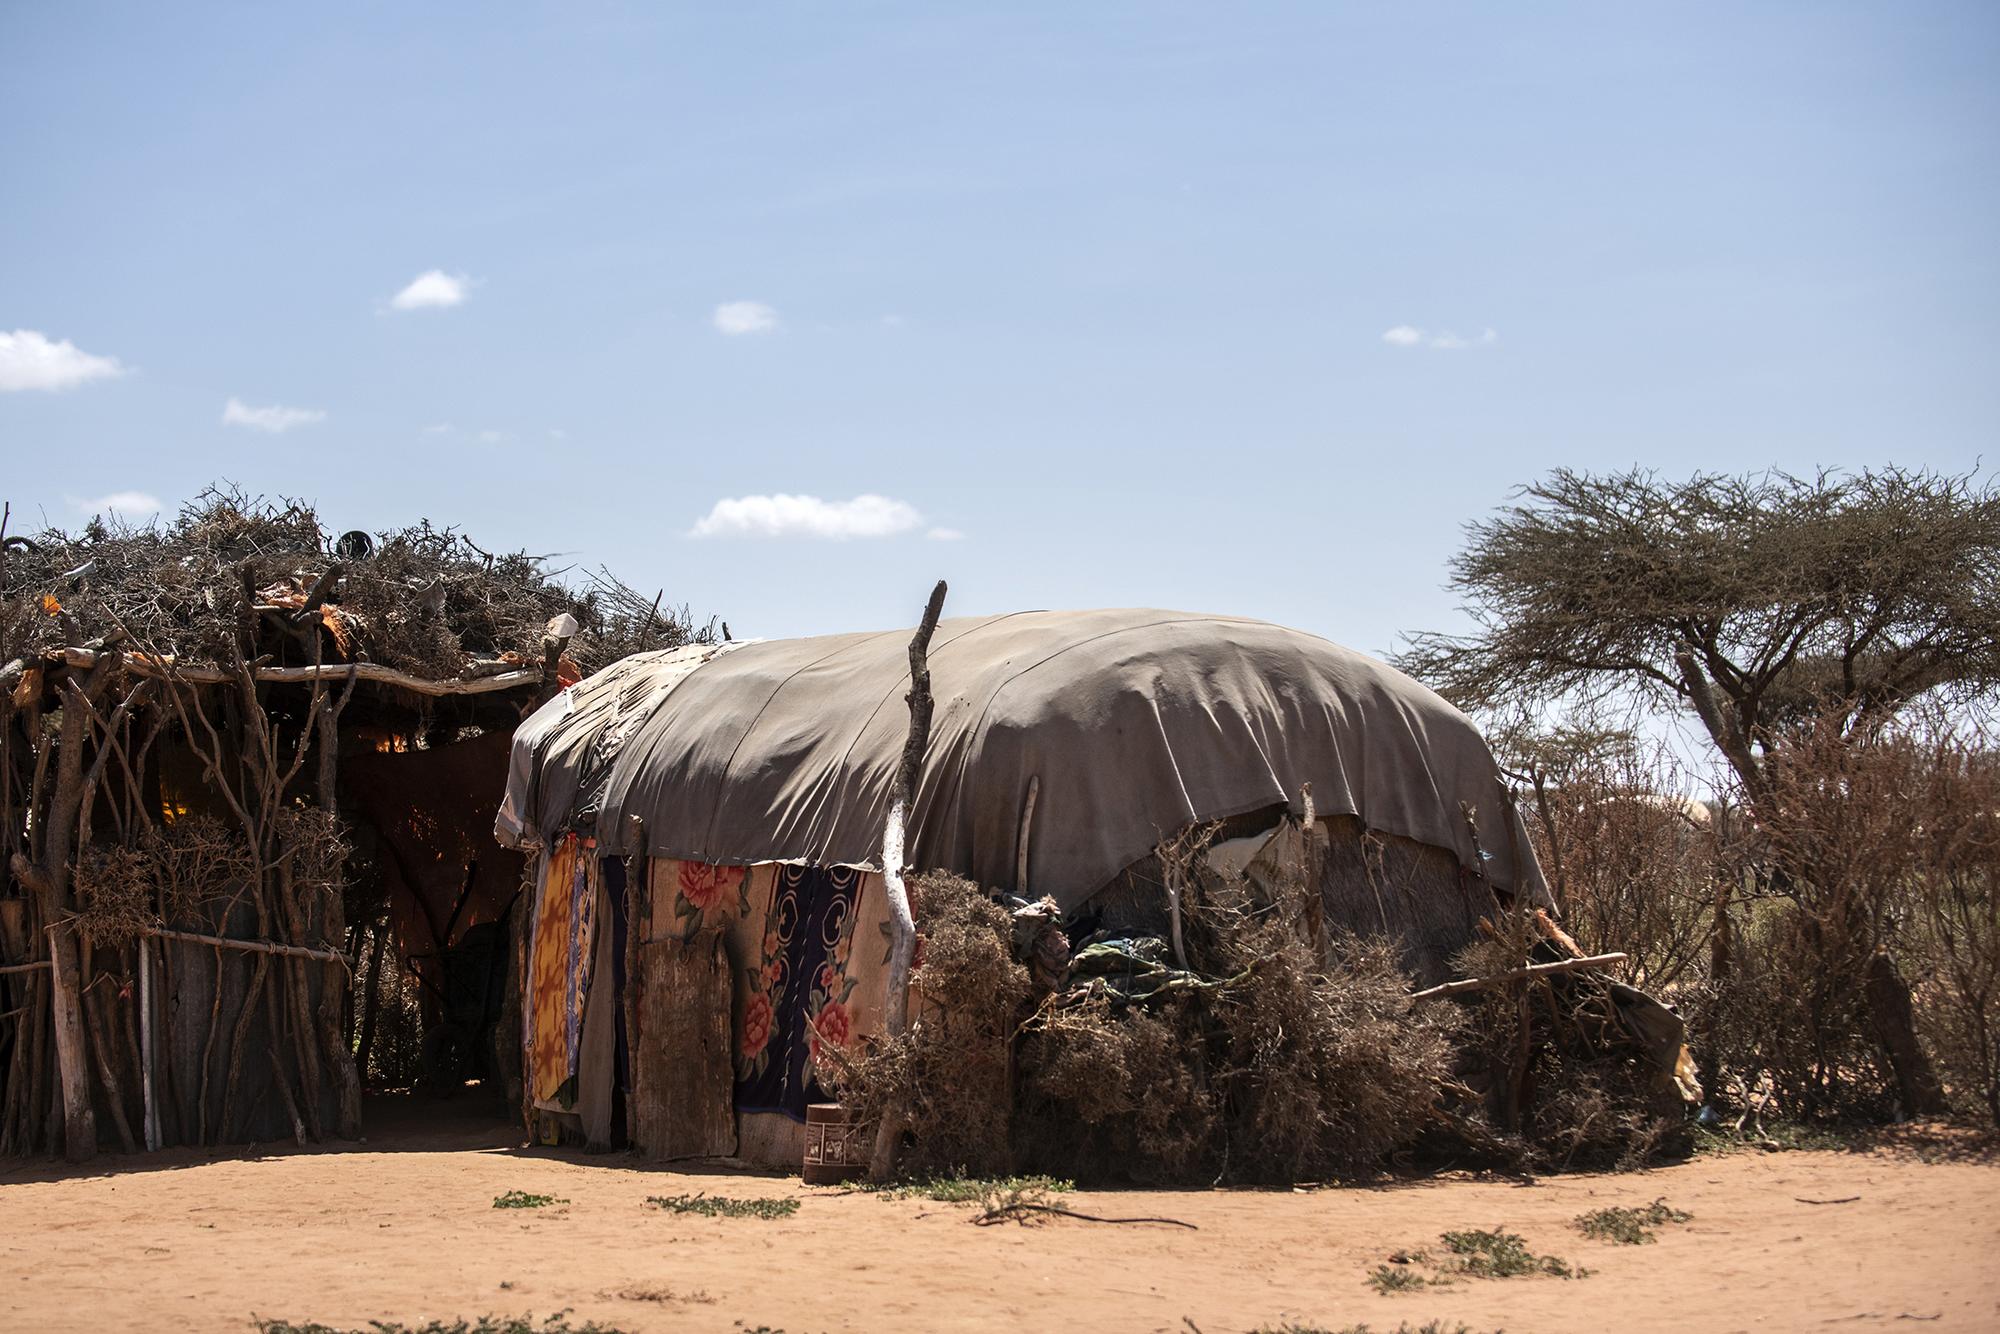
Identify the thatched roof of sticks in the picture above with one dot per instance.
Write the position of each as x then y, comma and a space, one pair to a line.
424, 608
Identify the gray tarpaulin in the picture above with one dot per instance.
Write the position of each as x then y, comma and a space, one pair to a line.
1135, 723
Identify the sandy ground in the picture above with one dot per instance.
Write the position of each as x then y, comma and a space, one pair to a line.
403, 1227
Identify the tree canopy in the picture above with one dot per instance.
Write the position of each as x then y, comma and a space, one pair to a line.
1764, 602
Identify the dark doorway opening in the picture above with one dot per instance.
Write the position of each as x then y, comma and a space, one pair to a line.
437, 907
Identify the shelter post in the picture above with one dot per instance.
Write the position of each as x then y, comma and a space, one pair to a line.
902, 923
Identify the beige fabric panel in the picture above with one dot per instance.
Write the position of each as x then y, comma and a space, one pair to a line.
561, 751
1135, 722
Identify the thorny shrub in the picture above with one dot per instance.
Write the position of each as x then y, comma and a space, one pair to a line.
1877, 858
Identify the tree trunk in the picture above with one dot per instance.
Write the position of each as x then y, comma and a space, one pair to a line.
370, 999
79, 1123
1721, 964
335, 978
297, 992
50, 883
1894, 1020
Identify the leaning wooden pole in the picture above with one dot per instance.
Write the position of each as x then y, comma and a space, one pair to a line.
902, 923
1516, 974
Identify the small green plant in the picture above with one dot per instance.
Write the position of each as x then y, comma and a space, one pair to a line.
1500, 1254
973, 1190
1021, 1199
559, 1323
1629, 1227
722, 1206
1397, 1278
1428, 1327
1771, 1137
522, 1199
658, 1292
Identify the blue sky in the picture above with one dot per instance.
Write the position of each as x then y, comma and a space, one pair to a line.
1241, 308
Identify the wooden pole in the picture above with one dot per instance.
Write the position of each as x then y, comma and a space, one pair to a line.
1514, 974
1027, 828
371, 993
152, 1129
638, 934
902, 925
249, 946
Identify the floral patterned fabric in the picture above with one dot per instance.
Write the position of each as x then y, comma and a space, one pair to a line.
559, 968
808, 947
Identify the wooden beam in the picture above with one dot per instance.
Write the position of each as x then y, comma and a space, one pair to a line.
168, 669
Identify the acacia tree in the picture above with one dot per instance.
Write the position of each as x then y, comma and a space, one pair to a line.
1775, 608
1762, 603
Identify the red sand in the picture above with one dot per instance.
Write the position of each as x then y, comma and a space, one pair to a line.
403, 1228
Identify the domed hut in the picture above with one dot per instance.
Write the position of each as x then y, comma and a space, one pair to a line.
708, 824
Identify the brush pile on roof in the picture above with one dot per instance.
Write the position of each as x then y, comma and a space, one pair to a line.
424, 601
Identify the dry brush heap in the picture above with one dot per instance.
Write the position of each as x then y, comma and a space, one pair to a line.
181, 899
1251, 1042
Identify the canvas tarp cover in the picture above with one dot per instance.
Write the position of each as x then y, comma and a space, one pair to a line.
1135, 723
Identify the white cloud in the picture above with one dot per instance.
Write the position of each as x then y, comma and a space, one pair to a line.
808, 516
1406, 335
485, 436
945, 535
433, 290
745, 317
28, 360
121, 504
274, 419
